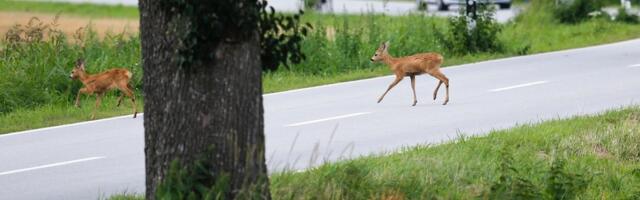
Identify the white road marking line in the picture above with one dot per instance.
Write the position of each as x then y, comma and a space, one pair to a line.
518, 86
634, 66
50, 165
327, 119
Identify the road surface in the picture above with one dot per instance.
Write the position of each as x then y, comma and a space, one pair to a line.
309, 126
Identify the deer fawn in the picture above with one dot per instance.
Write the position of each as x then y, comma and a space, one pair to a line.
411, 66
101, 83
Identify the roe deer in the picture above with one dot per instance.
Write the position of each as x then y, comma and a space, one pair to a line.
411, 66
99, 84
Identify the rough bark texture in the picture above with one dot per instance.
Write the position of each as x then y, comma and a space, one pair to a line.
211, 109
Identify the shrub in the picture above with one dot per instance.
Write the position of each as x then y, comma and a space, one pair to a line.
575, 11
560, 183
463, 37
310, 4
193, 182
624, 16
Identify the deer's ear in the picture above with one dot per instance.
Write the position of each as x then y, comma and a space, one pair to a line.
386, 44
80, 64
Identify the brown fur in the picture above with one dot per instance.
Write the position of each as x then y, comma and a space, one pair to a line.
411, 66
99, 84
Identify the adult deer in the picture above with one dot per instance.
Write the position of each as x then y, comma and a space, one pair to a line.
411, 66
99, 84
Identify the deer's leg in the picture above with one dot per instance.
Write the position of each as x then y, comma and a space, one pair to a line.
98, 99
393, 84
130, 94
444, 79
120, 98
413, 87
435, 92
81, 91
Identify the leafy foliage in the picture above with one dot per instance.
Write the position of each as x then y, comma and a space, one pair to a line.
576, 11
281, 38
310, 4
626, 17
466, 35
192, 183
509, 184
232, 21
562, 184
203, 25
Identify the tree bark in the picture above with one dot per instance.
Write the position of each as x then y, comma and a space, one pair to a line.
210, 109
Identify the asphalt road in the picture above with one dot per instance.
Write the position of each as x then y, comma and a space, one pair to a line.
309, 126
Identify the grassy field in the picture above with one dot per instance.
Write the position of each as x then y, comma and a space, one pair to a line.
34, 83
588, 157
595, 157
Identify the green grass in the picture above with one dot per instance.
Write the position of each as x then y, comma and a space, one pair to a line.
125, 196
537, 28
34, 75
601, 157
586, 157
78, 9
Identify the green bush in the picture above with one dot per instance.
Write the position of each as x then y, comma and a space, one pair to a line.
626, 17
193, 182
464, 38
310, 4
575, 11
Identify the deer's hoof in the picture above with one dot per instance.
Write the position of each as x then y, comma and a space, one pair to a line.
414, 103
445, 103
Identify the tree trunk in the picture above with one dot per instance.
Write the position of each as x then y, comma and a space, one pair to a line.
211, 109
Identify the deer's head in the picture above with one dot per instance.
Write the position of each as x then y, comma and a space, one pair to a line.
380, 52
77, 70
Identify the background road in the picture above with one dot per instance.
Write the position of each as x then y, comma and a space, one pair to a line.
345, 6
308, 126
